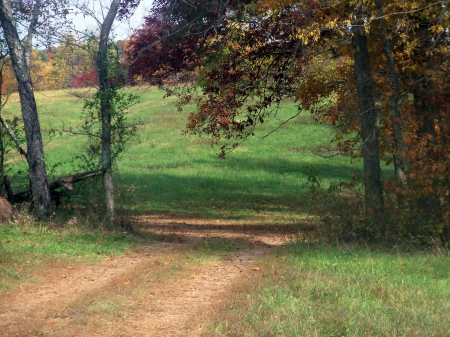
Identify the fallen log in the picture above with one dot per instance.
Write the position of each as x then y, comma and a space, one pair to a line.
66, 183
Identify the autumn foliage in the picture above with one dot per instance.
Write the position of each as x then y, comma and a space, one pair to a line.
255, 54
85, 80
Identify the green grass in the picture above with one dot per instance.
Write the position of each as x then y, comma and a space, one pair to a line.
312, 290
25, 247
169, 173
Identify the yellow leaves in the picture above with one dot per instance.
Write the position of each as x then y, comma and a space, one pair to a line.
437, 29
307, 34
332, 24
443, 50
409, 68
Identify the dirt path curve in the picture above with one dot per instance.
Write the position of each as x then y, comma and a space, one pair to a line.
172, 307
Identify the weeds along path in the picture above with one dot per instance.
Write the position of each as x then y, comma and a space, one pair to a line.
155, 291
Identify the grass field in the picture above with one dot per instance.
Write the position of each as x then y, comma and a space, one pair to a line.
312, 290
169, 172
303, 289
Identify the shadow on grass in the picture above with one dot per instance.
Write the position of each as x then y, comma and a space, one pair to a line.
206, 197
245, 234
331, 168
235, 189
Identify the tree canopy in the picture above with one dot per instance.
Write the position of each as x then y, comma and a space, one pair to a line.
250, 56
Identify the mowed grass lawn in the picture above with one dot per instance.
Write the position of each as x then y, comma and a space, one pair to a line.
304, 289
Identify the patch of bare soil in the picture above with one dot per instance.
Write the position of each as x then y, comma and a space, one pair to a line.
180, 308
169, 307
26, 308
191, 230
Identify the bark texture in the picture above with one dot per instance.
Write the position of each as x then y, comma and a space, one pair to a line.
429, 205
35, 150
105, 109
371, 155
401, 161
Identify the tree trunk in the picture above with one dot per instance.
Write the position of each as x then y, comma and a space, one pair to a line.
35, 149
2, 147
371, 156
2, 159
430, 205
105, 109
401, 161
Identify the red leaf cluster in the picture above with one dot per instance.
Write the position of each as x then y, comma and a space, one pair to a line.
89, 79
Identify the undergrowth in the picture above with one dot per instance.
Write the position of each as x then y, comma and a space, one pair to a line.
339, 205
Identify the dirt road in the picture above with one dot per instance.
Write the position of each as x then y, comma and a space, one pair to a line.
148, 292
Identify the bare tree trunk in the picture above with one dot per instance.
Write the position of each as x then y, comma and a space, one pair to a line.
35, 156
2, 146
2, 159
401, 161
429, 205
105, 109
371, 155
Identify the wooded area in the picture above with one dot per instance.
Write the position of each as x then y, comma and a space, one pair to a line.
380, 66
225, 167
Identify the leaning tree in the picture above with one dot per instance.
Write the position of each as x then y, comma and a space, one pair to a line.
37, 17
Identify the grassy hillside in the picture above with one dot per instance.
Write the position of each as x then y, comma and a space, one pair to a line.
167, 172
